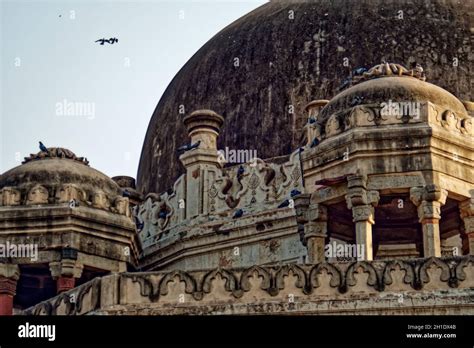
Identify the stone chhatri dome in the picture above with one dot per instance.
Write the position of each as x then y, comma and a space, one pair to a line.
55, 176
284, 61
77, 218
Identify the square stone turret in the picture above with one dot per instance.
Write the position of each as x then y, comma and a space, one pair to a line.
201, 158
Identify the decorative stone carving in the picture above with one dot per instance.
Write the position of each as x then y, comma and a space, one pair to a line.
467, 126
66, 268
37, 195
389, 69
66, 271
122, 206
314, 219
449, 119
100, 200
10, 196
254, 185
359, 196
333, 126
70, 192
363, 213
429, 200
380, 278
56, 152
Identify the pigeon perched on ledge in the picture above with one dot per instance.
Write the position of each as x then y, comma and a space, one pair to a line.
357, 100
359, 71
240, 171
188, 147
239, 213
284, 204
139, 224
314, 143
295, 192
346, 83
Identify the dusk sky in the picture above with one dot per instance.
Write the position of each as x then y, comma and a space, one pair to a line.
61, 87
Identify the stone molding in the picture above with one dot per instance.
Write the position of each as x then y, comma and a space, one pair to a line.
70, 194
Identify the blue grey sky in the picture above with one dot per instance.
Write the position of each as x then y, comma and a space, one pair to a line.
60, 87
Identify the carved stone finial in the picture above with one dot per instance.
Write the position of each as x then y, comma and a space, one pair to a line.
204, 126
389, 69
56, 152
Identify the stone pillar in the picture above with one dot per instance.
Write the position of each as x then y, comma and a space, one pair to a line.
362, 203
9, 275
429, 200
467, 215
66, 271
314, 219
202, 162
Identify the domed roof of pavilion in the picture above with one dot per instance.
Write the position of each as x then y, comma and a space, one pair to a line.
389, 82
44, 174
261, 70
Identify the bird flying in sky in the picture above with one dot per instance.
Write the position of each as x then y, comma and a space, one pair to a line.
111, 41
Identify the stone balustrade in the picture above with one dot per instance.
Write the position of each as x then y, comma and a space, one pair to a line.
365, 287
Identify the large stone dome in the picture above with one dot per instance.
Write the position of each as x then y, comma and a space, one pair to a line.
289, 53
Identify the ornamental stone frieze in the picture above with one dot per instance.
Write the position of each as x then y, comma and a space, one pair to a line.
416, 286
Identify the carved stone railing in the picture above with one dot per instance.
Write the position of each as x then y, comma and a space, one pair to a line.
254, 187
432, 285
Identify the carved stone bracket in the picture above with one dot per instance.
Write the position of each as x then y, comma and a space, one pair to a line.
314, 218
66, 271
429, 200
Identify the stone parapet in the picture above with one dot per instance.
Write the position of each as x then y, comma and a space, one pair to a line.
394, 286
